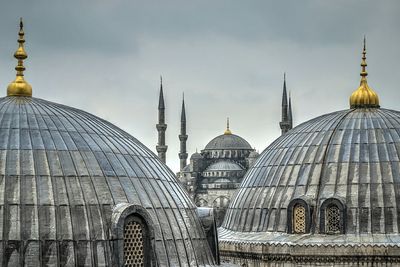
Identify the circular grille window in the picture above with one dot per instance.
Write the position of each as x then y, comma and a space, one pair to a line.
299, 219
133, 244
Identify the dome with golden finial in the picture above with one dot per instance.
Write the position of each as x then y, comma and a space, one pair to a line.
75, 190
19, 87
327, 189
228, 141
227, 131
364, 96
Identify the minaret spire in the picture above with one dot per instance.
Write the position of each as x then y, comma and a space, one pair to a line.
284, 124
183, 155
290, 115
19, 87
227, 131
364, 96
161, 126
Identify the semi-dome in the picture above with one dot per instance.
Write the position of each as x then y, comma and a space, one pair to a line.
78, 191
224, 165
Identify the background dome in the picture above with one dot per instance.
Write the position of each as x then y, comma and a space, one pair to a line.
351, 155
224, 165
62, 171
228, 141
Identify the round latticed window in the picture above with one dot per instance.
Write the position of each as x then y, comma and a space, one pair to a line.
134, 244
332, 219
299, 219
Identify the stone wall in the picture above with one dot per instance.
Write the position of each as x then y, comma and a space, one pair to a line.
283, 255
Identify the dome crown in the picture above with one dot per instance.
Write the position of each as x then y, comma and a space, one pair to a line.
364, 96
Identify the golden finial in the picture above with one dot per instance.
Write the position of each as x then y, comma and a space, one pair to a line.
19, 87
364, 96
227, 131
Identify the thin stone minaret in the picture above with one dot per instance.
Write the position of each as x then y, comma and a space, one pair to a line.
285, 123
161, 126
183, 155
290, 115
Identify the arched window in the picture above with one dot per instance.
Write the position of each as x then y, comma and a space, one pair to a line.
132, 235
299, 219
332, 219
332, 216
298, 216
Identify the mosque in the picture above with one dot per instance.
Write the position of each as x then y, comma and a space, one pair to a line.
76, 190
214, 174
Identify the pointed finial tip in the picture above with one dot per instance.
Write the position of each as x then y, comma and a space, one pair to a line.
365, 42
19, 87
364, 96
227, 131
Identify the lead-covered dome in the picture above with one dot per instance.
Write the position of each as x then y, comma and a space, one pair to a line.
350, 157
224, 165
331, 181
76, 190
228, 142
66, 179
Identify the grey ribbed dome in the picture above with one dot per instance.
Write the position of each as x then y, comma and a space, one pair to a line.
228, 141
62, 171
224, 165
351, 155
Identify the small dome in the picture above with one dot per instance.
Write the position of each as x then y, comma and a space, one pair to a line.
228, 141
196, 155
222, 181
224, 166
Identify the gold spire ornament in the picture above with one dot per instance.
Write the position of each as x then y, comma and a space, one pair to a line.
364, 96
227, 131
19, 87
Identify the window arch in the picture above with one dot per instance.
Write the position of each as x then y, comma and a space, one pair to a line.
298, 218
132, 235
332, 216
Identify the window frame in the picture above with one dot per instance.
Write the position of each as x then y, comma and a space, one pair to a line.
122, 214
290, 215
342, 209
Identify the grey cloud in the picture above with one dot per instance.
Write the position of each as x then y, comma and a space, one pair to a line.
228, 56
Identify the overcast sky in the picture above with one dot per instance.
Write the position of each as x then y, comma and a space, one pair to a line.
105, 57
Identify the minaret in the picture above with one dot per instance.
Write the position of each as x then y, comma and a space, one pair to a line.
161, 126
290, 115
19, 87
284, 124
183, 155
